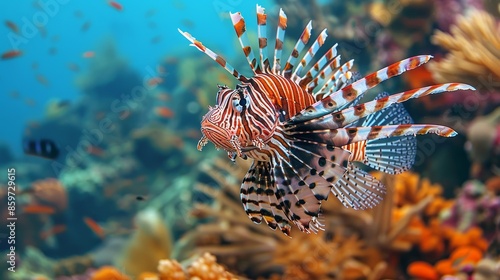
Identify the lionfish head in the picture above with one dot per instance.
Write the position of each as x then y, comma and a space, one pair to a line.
222, 123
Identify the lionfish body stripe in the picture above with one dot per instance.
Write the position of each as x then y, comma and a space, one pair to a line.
303, 126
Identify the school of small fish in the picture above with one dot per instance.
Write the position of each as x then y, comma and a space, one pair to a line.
302, 123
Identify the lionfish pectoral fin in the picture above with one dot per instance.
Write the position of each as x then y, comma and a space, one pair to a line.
259, 199
358, 189
305, 178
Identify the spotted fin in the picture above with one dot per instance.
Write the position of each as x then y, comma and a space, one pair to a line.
217, 58
347, 94
358, 189
258, 196
344, 136
305, 178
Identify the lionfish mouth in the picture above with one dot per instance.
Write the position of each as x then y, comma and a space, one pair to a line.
215, 135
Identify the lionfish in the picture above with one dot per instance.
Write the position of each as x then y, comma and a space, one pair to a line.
305, 130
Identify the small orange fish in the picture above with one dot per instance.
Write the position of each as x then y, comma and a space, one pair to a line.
164, 112
150, 13
53, 51
42, 80
116, 5
88, 54
57, 229
14, 94
85, 26
78, 14
154, 81
156, 39
30, 102
94, 150
12, 26
94, 226
163, 96
125, 114
73, 67
11, 54
38, 209
34, 65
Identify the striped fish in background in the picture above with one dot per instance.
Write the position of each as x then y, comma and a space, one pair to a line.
304, 128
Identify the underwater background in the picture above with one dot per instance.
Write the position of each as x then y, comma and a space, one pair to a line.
117, 91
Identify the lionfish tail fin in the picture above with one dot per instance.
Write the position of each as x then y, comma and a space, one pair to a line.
350, 92
259, 199
240, 28
217, 58
358, 189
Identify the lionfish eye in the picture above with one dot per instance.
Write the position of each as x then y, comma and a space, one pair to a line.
240, 103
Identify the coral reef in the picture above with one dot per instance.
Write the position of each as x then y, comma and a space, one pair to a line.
151, 236
473, 56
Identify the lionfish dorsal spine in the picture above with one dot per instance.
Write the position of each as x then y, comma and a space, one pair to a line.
280, 39
217, 58
240, 28
325, 73
312, 75
262, 36
334, 82
297, 49
320, 40
358, 88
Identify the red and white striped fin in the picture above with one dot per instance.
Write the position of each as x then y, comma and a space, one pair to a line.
357, 189
240, 28
262, 35
280, 39
352, 114
258, 196
352, 91
334, 82
297, 49
329, 57
310, 54
305, 179
344, 136
326, 73
217, 58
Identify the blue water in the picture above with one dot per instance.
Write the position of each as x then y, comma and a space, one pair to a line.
129, 28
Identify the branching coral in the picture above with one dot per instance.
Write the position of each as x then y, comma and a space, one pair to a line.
150, 243
474, 58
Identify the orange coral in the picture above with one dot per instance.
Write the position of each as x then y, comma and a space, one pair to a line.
171, 270
206, 268
108, 273
422, 270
